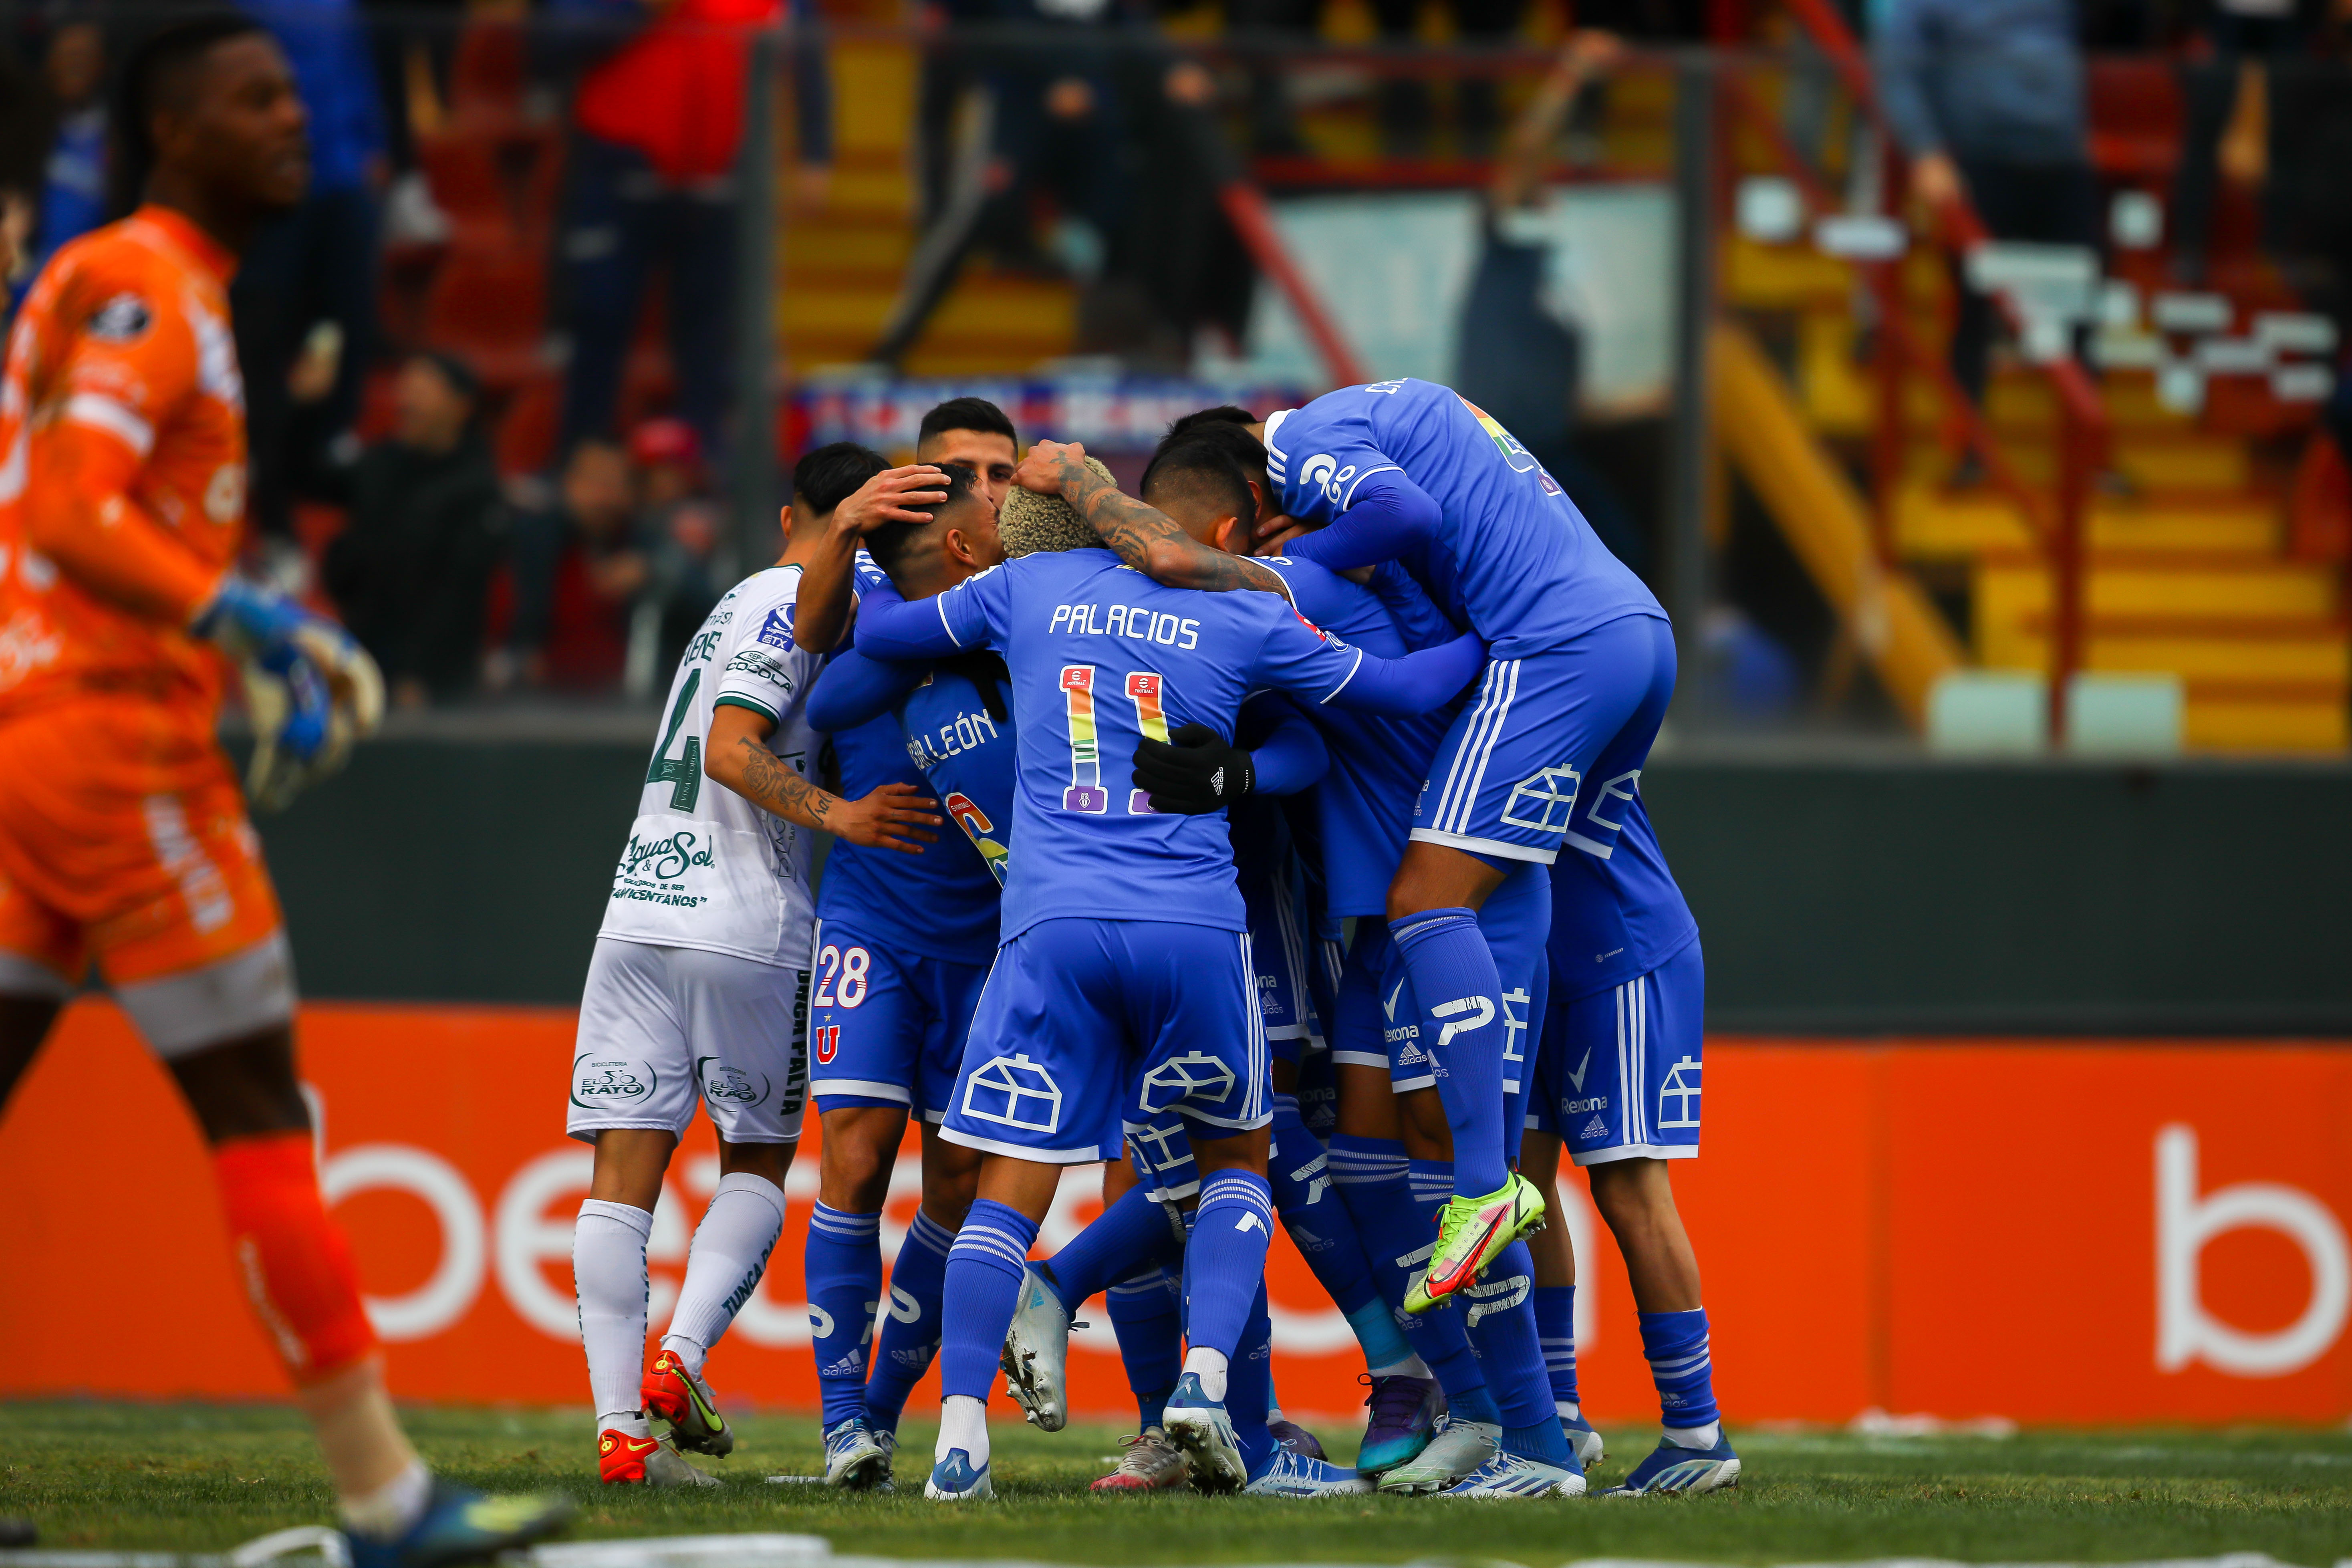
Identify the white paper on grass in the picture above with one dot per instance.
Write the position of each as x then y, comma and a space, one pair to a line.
1394, 271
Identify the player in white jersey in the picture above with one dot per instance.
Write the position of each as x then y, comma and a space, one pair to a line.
698, 990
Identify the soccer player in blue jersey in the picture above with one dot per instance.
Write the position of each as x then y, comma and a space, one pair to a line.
1407, 470
1503, 1436
1123, 981
1617, 1084
899, 953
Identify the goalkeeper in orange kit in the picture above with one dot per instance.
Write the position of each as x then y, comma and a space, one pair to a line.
123, 836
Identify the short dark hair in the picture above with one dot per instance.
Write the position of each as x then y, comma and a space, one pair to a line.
831, 474
1247, 452
966, 414
1204, 471
158, 65
889, 544
1223, 414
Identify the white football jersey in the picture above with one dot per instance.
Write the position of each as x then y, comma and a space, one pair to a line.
703, 867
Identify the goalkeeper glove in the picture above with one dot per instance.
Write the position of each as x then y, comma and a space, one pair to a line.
1193, 772
313, 691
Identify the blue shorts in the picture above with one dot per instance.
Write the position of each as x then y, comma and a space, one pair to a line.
1160, 1150
1379, 1023
1282, 945
1505, 781
886, 1026
1084, 1021
1617, 1074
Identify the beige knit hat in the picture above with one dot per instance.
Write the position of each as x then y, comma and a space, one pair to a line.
1030, 522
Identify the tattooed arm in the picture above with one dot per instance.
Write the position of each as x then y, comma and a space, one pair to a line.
737, 757
1144, 537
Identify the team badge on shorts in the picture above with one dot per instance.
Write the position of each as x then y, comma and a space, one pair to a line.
1546, 802
1014, 1091
723, 1085
1195, 1075
605, 1083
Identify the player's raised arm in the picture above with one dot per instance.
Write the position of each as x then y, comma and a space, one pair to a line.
822, 610
1388, 517
1144, 537
855, 690
1299, 658
894, 816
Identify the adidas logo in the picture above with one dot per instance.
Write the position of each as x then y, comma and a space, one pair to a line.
1593, 1128
850, 1365
1411, 1054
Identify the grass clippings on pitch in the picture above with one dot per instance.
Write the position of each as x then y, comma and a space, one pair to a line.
204, 1477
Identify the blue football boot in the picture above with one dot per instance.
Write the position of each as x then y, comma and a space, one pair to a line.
1671, 1467
460, 1525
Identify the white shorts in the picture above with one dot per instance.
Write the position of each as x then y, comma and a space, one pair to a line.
661, 1027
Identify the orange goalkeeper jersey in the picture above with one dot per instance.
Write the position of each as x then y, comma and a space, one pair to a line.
121, 471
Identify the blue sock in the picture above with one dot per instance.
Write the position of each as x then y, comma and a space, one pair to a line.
1454, 975
1503, 1331
1373, 1179
1325, 1234
982, 1288
1545, 1440
844, 1265
909, 1335
1675, 1344
1249, 1387
1125, 1236
1147, 1316
1224, 1263
1555, 1308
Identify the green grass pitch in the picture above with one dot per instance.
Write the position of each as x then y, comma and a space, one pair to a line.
202, 1478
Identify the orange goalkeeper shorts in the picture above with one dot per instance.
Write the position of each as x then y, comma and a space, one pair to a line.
123, 839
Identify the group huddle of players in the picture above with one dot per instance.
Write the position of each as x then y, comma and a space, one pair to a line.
1313, 890
1310, 888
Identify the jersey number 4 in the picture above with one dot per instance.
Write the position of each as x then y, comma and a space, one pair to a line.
682, 773
1085, 792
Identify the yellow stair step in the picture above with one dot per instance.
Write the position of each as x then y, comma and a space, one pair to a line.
2317, 655
2289, 725
1931, 524
2188, 587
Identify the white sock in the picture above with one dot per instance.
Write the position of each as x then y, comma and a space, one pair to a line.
731, 1252
1211, 1365
1704, 1437
1567, 1411
388, 1512
963, 1424
608, 1274
1412, 1366
627, 1422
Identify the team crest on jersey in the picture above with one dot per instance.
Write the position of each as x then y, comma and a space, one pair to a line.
726, 1085
122, 319
776, 631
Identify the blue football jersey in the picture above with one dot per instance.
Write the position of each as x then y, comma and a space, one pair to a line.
963, 745
1613, 919
1363, 807
1511, 558
941, 904
1101, 656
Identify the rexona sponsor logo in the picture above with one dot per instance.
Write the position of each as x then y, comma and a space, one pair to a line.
652, 869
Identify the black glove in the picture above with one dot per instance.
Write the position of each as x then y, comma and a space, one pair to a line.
1193, 772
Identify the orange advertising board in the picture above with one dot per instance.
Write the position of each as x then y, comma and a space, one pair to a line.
2044, 1231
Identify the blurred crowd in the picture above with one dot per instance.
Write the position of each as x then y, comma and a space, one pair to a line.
470, 562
